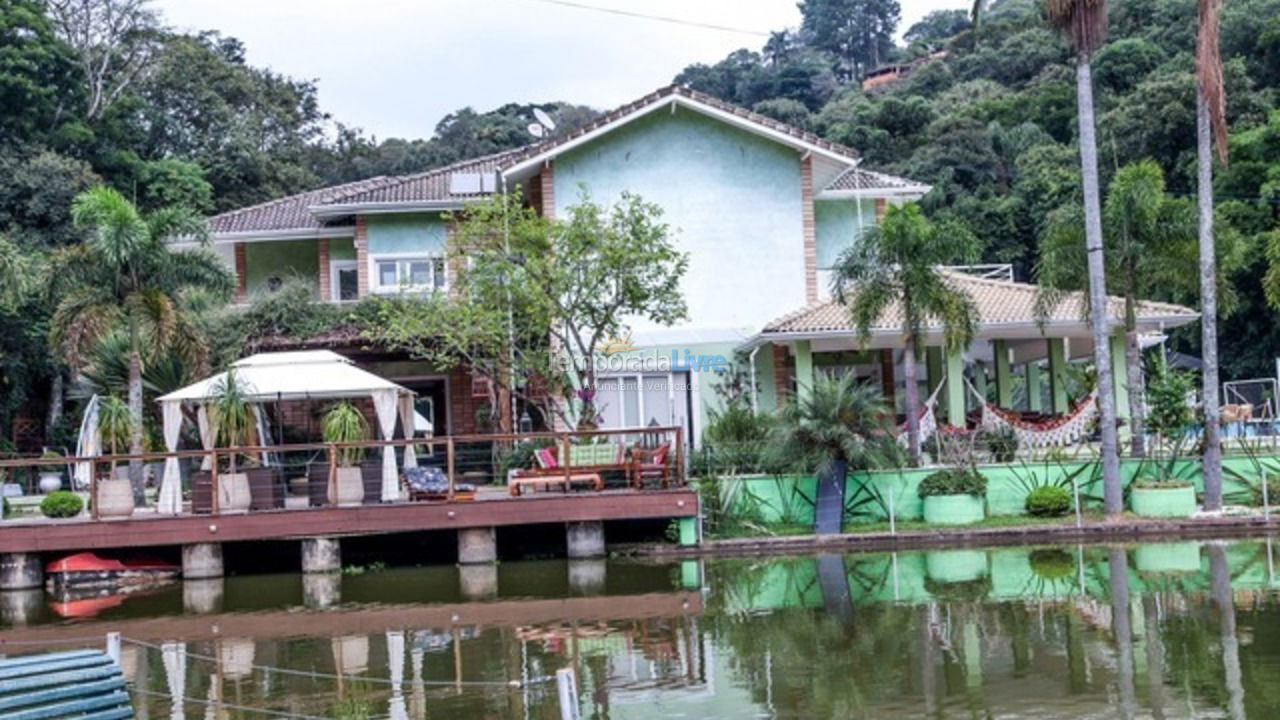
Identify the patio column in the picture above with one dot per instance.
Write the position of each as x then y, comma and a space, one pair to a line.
804, 368
1004, 375
955, 388
1120, 383
1057, 375
980, 379
1032, 372
933, 367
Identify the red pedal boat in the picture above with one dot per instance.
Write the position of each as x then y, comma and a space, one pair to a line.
87, 571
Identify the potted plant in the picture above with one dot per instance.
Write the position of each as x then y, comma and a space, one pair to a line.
50, 475
1162, 497
954, 496
343, 423
229, 414
114, 495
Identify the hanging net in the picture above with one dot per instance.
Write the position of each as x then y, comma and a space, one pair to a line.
928, 419
1058, 431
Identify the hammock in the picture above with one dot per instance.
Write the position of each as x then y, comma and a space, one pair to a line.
1057, 432
928, 419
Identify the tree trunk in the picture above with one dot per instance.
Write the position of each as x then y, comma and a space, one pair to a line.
1224, 599
135, 436
56, 393
1208, 311
1122, 629
912, 397
1137, 398
1113, 493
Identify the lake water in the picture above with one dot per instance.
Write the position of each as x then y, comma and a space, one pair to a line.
1172, 630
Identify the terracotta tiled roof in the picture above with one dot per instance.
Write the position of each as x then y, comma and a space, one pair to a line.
999, 302
862, 179
288, 213
673, 90
428, 186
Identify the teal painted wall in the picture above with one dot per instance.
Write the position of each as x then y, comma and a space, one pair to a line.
342, 249
280, 258
836, 226
406, 234
732, 198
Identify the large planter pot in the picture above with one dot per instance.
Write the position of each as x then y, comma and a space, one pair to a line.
115, 498
1175, 557
348, 487
264, 489
50, 482
954, 509
234, 497
949, 566
1163, 502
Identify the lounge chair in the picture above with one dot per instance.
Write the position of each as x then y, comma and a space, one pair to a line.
431, 484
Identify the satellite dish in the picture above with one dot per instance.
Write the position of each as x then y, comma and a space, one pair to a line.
536, 130
542, 117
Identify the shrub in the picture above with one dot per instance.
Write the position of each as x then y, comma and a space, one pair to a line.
62, 504
953, 481
1048, 501
1053, 563
1002, 443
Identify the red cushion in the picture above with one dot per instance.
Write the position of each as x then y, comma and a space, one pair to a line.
546, 458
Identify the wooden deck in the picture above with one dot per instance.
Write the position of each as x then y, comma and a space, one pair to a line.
488, 510
297, 622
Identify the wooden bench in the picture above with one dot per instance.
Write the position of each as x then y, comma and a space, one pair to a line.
78, 683
547, 481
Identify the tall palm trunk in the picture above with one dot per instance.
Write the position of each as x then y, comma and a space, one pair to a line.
1208, 310
1112, 491
135, 434
912, 398
1137, 398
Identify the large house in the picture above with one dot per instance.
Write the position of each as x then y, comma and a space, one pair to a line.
762, 208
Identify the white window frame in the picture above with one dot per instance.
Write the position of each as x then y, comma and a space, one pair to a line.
402, 272
335, 268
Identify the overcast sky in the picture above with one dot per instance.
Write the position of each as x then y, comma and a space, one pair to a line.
395, 67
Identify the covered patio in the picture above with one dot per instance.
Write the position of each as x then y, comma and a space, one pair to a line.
1016, 368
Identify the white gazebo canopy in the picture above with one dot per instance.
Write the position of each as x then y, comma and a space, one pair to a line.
271, 377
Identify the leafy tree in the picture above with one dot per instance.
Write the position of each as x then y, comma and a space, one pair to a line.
112, 41
1121, 64
37, 86
858, 32
895, 264
937, 27
791, 112
124, 278
36, 188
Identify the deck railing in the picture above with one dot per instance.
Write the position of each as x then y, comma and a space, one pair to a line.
463, 459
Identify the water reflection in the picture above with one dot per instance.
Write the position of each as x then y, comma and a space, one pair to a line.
1168, 630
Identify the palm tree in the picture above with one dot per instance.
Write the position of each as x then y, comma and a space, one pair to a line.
1211, 120
124, 278
838, 425
1084, 24
1150, 239
896, 264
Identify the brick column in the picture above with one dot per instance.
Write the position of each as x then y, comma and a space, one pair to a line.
547, 190
810, 231
322, 261
242, 292
881, 204
362, 257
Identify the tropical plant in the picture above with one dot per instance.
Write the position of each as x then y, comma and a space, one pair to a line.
896, 264
1048, 501
124, 278
837, 426
1002, 443
230, 416
1211, 128
344, 423
953, 481
115, 426
1249, 480
1084, 25
61, 504
1167, 393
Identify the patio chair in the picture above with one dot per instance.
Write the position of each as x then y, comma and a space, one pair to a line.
651, 464
431, 484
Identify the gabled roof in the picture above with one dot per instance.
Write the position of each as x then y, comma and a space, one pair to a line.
288, 213
431, 187
856, 180
1001, 304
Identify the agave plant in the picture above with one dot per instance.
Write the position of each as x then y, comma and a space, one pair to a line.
115, 426
229, 413
343, 423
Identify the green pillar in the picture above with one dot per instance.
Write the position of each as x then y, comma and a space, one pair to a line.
933, 367
955, 388
688, 531
1004, 375
980, 379
804, 369
1057, 374
1120, 382
1032, 371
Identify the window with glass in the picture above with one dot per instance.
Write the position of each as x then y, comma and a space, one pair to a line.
413, 273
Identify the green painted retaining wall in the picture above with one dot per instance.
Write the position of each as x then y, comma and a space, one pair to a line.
788, 499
